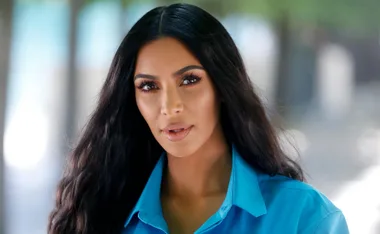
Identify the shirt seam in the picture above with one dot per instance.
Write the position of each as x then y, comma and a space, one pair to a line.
322, 204
308, 192
324, 218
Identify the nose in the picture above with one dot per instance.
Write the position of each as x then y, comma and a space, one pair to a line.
171, 103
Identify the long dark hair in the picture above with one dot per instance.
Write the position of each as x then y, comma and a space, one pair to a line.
111, 164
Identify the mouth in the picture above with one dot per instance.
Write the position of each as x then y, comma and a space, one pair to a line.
177, 133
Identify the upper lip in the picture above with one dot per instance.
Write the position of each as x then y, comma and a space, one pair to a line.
176, 126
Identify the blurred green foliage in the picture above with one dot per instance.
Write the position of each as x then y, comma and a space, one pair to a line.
337, 13
363, 14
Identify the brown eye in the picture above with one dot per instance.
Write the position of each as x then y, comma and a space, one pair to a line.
190, 79
147, 86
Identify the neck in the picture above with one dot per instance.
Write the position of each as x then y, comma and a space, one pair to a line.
205, 173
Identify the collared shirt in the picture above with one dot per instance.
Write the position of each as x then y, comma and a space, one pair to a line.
254, 203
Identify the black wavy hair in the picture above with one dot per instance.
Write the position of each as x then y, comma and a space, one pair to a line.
111, 164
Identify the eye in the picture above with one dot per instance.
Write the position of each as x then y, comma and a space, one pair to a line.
190, 79
147, 86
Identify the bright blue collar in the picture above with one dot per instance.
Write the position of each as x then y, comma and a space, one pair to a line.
243, 192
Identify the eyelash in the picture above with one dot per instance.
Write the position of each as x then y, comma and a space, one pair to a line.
192, 78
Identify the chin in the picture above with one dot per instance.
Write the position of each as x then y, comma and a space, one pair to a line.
179, 150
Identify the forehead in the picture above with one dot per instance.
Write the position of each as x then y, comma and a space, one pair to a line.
164, 55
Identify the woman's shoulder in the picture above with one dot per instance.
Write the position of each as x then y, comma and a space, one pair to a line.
305, 203
290, 190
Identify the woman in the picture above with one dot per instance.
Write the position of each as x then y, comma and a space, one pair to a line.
180, 143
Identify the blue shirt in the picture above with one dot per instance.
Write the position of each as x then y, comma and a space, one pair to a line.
254, 203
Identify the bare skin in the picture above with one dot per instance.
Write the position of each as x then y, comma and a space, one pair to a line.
194, 189
173, 89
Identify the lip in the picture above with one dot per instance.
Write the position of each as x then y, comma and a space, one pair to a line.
177, 132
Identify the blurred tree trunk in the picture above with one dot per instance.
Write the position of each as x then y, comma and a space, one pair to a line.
6, 17
71, 91
122, 26
123, 4
282, 76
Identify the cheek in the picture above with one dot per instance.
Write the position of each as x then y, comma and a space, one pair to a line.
209, 106
148, 107
204, 103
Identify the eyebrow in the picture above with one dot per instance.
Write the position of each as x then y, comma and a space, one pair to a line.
187, 68
177, 73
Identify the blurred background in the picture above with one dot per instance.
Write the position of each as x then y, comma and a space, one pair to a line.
315, 62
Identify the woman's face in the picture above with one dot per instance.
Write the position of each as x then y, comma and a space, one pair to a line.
176, 97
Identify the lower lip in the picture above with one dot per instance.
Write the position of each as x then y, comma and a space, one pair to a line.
178, 136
